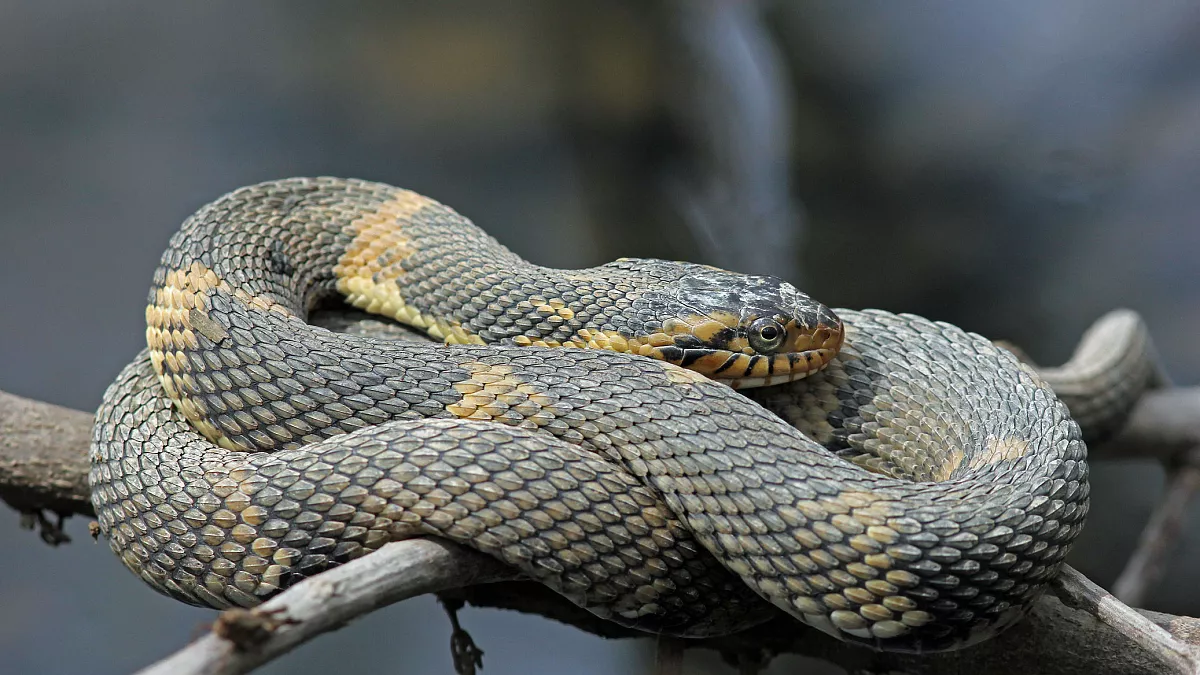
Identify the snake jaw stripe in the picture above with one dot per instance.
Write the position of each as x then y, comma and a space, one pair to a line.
913, 492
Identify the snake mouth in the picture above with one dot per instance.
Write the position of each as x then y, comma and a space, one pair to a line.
809, 351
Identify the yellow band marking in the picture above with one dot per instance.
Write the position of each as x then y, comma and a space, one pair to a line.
178, 315
367, 272
947, 468
998, 450
604, 339
492, 391
995, 450
704, 327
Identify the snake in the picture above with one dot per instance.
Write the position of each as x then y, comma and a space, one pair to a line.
677, 448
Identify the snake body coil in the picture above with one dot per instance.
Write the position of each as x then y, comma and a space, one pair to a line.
915, 494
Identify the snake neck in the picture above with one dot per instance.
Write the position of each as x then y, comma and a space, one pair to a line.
288, 245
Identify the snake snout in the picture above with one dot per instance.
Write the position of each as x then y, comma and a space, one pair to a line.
808, 347
821, 335
751, 331
818, 342
787, 334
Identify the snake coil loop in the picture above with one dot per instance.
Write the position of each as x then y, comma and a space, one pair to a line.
915, 494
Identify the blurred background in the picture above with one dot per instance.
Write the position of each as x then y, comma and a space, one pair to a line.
1017, 168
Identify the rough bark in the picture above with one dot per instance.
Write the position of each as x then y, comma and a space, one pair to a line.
1091, 634
44, 456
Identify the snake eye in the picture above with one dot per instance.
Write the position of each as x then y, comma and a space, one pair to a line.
766, 335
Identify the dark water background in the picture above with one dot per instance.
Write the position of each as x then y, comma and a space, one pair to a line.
1018, 168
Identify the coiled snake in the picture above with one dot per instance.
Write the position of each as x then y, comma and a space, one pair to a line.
915, 494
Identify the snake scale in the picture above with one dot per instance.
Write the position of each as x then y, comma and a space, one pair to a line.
913, 491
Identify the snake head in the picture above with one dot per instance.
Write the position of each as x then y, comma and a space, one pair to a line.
742, 330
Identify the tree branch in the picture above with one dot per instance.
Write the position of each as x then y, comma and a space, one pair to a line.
1079, 592
1161, 532
1092, 633
44, 456
1164, 425
44, 465
241, 640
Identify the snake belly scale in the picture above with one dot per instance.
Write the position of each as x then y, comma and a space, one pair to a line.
916, 494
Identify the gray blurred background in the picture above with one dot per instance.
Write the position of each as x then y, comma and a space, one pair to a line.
1018, 168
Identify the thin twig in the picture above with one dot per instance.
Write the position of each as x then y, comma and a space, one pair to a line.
328, 601
1161, 533
1078, 591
